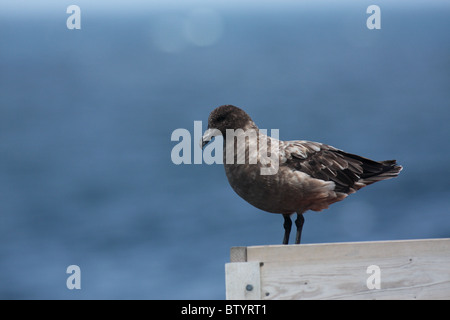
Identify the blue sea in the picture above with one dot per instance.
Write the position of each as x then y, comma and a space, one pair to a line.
86, 118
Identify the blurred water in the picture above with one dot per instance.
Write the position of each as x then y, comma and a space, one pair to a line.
86, 118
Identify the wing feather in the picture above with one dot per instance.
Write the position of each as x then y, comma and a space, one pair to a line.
349, 172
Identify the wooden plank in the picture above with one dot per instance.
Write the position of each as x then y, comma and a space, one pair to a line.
351, 250
407, 269
242, 280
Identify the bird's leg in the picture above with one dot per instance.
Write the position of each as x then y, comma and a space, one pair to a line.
287, 228
299, 223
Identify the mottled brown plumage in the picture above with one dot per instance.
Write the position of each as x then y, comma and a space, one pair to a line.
310, 175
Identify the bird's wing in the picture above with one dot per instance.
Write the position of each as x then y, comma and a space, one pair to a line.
348, 171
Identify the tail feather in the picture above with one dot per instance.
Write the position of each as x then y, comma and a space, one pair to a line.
372, 171
387, 169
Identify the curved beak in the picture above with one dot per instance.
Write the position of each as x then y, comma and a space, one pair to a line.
208, 135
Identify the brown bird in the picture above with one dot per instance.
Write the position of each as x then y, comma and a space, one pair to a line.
288, 177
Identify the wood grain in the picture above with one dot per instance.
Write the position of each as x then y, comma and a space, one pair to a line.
409, 269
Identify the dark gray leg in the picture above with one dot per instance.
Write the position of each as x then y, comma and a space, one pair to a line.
287, 228
299, 223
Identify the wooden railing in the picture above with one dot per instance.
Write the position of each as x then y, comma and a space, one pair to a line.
406, 269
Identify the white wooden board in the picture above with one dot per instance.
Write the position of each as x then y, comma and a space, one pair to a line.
409, 269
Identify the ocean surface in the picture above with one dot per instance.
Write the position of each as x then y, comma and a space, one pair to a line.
86, 118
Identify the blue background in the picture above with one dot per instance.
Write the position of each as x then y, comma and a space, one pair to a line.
86, 118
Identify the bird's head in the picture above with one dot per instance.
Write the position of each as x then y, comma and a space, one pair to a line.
223, 118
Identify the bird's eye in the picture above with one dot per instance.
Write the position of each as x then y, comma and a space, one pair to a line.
220, 118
